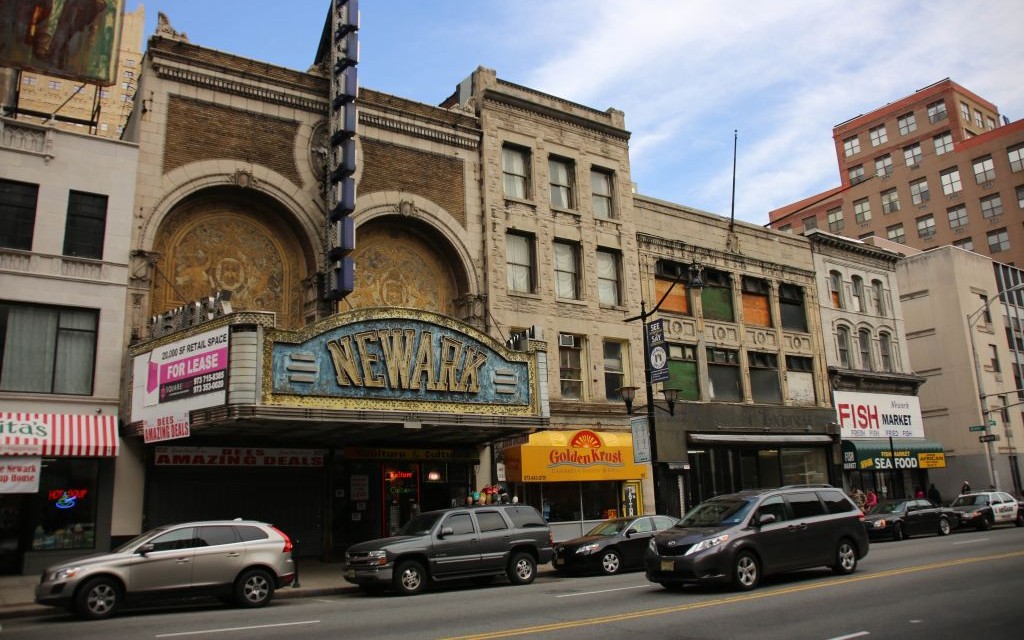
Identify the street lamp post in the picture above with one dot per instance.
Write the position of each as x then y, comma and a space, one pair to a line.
693, 274
972, 318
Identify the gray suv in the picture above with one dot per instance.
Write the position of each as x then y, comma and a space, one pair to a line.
237, 559
471, 542
740, 537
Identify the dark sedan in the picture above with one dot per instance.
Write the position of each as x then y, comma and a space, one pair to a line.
612, 546
899, 519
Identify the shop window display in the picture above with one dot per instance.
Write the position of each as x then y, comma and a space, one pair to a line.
574, 501
63, 512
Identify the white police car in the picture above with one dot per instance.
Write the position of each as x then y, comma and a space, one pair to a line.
982, 509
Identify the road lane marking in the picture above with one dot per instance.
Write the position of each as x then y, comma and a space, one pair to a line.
755, 595
974, 541
851, 635
233, 629
590, 593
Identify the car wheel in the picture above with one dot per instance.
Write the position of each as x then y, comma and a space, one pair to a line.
944, 527
846, 558
98, 598
611, 562
254, 588
746, 573
897, 532
522, 568
985, 524
410, 578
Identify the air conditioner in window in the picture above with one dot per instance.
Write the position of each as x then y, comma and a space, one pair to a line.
566, 340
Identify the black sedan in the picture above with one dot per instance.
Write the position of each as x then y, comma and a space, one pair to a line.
612, 546
899, 519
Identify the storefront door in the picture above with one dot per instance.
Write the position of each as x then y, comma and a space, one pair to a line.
401, 493
12, 517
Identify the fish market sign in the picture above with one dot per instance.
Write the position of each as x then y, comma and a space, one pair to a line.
382, 359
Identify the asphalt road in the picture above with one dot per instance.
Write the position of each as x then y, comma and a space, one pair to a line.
964, 585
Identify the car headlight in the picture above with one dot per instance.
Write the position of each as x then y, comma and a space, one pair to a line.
588, 548
710, 543
880, 524
66, 574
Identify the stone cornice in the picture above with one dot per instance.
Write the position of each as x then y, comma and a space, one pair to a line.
240, 87
415, 130
558, 115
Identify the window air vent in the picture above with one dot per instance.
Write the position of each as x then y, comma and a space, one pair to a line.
566, 340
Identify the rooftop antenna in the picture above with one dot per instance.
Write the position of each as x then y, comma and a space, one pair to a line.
732, 206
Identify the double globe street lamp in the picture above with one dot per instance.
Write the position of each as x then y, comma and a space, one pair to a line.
655, 359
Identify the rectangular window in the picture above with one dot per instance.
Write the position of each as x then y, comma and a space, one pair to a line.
912, 154
47, 349
878, 293
570, 366
984, 170
890, 201
520, 260
716, 296
800, 380
907, 123
683, 371
764, 377
756, 305
862, 210
878, 135
992, 206
810, 222
601, 193
994, 358
678, 301
614, 370
864, 344
965, 111
835, 288
53, 84
883, 165
562, 181
885, 351
895, 233
65, 528
17, 214
967, 244
977, 119
990, 122
835, 220
609, 289
957, 216
515, 167
851, 146
86, 225
857, 293
926, 226
1020, 196
1015, 155
919, 191
843, 346
856, 174
724, 380
998, 240
943, 143
567, 270
937, 111
791, 307
950, 179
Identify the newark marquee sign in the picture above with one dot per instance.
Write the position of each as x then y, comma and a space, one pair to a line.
396, 359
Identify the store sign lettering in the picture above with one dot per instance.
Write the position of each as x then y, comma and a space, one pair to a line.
406, 359
866, 415
238, 457
27, 428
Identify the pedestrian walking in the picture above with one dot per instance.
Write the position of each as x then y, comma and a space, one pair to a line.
934, 496
965, 487
870, 500
858, 498
918, 492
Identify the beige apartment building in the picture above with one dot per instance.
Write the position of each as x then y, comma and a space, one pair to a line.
937, 167
76, 106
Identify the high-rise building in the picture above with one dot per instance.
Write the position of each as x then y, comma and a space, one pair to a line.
938, 167
75, 106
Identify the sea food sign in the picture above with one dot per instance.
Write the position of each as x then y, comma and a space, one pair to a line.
381, 359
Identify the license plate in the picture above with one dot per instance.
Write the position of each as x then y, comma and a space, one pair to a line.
351, 573
559, 560
668, 565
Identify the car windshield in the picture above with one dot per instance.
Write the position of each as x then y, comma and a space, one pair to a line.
609, 528
889, 507
137, 540
717, 512
971, 501
420, 525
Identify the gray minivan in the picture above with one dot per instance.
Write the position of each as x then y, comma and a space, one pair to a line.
740, 537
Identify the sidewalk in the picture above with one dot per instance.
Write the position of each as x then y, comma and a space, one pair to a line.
17, 593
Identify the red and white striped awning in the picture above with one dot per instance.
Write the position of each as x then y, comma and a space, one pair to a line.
58, 434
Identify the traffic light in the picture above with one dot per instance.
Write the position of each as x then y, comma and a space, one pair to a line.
344, 119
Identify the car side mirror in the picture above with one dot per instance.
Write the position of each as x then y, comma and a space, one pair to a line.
445, 531
630, 532
146, 548
765, 518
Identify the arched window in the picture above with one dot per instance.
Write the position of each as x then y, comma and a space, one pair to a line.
885, 350
864, 344
835, 285
843, 343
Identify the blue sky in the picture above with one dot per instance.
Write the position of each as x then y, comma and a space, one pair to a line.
686, 73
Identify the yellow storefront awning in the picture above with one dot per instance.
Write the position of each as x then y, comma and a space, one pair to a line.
566, 456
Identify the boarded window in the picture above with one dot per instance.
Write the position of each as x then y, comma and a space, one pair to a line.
716, 296
678, 301
800, 380
756, 309
683, 372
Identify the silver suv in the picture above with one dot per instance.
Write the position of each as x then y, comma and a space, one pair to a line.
471, 542
240, 559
